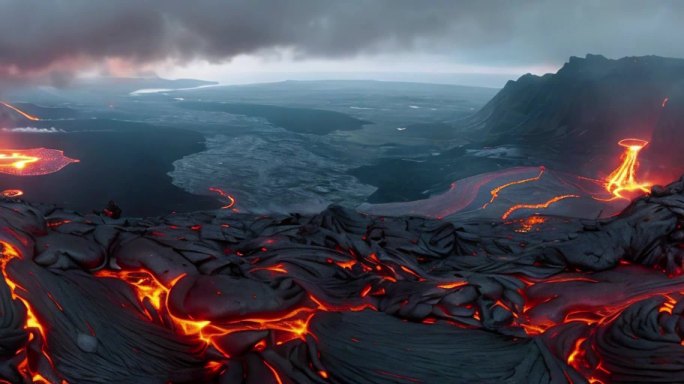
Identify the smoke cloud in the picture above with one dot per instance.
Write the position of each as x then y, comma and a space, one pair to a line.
54, 39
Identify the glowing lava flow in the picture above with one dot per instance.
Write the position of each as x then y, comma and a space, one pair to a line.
33, 161
292, 325
32, 325
623, 179
495, 192
229, 198
19, 111
16, 160
544, 205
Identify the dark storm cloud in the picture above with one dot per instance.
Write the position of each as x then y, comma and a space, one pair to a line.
58, 37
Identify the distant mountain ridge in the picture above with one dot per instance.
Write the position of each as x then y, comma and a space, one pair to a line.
587, 106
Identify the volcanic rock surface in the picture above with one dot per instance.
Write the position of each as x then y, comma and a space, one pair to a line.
341, 297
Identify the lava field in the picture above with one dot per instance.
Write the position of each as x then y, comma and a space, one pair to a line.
342, 297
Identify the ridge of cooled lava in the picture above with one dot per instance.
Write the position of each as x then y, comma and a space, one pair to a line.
341, 297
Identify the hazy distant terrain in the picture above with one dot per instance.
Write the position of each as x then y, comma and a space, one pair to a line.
275, 147
301, 145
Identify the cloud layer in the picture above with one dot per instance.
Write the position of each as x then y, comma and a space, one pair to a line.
57, 38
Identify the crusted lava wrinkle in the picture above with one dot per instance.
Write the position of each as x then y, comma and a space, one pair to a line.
340, 297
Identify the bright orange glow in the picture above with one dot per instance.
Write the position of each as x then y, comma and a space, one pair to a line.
544, 205
12, 193
278, 268
453, 285
528, 223
668, 305
33, 161
495, 192
32, 324
19, 111
623, 178
16, 160
576, 353
274, 372
289, 326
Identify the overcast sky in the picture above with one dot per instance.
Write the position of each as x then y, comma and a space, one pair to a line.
252, 40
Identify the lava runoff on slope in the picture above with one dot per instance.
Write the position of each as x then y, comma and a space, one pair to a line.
519, 193
23, 114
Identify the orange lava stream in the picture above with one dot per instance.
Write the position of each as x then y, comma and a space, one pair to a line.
623, 178
225, 195
32, 324
19, 111
544, 205
495, 192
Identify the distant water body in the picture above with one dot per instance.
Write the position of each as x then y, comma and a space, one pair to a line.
121, 161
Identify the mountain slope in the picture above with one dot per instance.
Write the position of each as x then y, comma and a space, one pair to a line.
578, 114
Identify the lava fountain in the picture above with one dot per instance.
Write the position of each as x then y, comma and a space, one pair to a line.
623, 178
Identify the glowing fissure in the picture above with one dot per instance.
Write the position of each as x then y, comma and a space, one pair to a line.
543, 205
495, 192
32, 324
292, 325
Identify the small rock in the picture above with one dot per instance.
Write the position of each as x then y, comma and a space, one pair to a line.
86, 343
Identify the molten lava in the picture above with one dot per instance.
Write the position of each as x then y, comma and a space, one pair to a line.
229, 198
33, 161
10, 193
32, 325
623, 178
543, 205
19, 111
528, 224
495, 192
